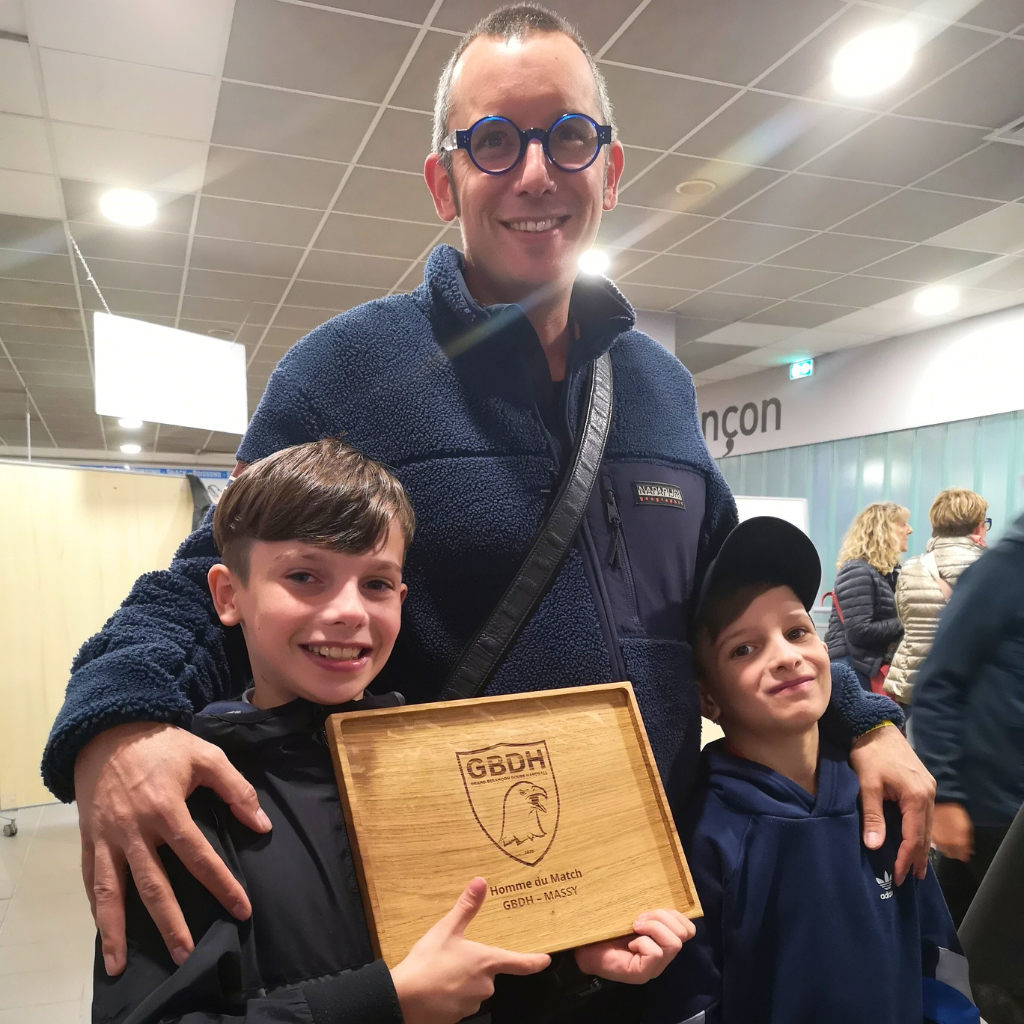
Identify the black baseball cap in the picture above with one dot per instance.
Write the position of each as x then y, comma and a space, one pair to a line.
764, 549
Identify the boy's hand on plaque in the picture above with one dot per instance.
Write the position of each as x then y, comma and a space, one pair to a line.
657, 937
446, 976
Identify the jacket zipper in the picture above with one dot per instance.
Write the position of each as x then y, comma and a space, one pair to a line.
617, 554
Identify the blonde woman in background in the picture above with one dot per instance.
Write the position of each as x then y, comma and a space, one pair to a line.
959, 526
864, 627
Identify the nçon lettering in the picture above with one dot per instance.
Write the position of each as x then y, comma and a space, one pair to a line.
746, 419
509, 764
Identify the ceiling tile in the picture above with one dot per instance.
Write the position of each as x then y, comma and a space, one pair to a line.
416, 90
411, 279
689, 328
596, 22
717, 306
684, 272
927, 263
1004, 274
128, 159
38, 293
346, 232
263, 177
148, 277
255, 222
897, 151
314, 50
128, 302
400, 142
297, 320
986, 91
188, 36
681, 105
342, 268
999, 230
698, 356
287, 122
859, 291
774, 131
647, 230
1002, 15
246, 287
32, 233
214, 328
915, 216
734, 240
134, 245
387, 194
56, 340
808, 71
801, 314
133, 97
995, 172
749, 334
400, 10
338, 297
232, 312
877, 320
735, 184
643, 296
822, 339
838, 253
33, 266
82, 202
774, 282
24, 144
38, 316
28, 195
805, 202
730, 40
18, 93
244, 257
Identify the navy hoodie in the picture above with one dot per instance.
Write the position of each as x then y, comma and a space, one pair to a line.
458, 400
802, 923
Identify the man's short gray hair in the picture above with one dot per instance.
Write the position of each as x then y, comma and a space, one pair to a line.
513, 22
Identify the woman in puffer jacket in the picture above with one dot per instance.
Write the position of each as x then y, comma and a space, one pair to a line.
958, 539
864, 628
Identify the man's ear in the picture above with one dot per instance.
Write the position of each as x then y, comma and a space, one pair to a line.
224, 587
442, 191
403, 593
613, 174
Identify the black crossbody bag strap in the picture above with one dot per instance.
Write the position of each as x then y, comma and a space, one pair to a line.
548, 549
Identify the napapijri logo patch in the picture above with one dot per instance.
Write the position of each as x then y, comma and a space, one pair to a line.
651, 492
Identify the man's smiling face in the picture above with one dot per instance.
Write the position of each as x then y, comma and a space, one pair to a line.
526, 228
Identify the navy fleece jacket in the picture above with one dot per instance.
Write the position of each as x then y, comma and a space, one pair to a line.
458, 400
801, 921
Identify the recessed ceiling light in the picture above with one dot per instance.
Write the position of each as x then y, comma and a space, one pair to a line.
128, 206
221, 332
874, 60
594, 261
937, 300
696, 187
131, 449
129, 424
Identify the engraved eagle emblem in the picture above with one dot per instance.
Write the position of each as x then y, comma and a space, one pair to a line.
520, 816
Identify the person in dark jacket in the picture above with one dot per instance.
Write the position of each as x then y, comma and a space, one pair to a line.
801, 922
313, 540
470, 388
864, 627
968, 708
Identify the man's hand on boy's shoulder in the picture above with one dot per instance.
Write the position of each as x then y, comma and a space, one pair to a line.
131, 783
888, 769
658, 935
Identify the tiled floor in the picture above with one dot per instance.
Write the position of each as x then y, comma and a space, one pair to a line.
46, 930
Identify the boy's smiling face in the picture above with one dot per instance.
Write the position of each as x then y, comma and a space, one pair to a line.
767, 671
319, 624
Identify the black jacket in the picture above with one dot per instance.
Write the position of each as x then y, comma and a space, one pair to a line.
969, 695
869, 624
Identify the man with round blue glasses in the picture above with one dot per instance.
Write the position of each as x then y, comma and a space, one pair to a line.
471, 388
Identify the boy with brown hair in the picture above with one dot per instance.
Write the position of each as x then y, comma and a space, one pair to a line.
801, 921
313, 540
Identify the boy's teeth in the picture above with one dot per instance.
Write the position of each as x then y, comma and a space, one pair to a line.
338, 653
533, 225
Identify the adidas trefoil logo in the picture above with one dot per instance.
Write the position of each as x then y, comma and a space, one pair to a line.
886, 885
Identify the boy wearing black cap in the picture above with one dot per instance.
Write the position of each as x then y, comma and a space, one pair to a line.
801, 921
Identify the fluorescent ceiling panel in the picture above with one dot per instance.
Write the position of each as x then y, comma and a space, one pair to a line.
162, 375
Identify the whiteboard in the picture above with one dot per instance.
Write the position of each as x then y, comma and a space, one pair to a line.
793, 510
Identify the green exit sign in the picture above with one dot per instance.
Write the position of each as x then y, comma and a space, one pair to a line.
801, 368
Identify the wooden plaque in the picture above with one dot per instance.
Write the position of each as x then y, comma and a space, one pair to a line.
553, 797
